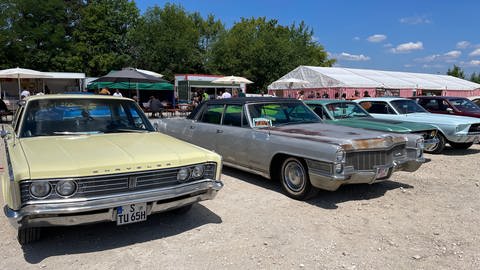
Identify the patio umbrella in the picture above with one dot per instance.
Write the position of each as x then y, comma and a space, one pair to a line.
22, 73
129, 75
231, 80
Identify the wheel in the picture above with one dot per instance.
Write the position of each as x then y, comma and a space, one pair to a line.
28, 235
437, 148
460, 145
295, 180
182, 210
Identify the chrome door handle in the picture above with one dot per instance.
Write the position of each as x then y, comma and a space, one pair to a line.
219, 131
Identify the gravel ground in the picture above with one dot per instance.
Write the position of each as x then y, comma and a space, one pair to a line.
423, 220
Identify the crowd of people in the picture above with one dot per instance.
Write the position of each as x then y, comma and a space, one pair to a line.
356, 95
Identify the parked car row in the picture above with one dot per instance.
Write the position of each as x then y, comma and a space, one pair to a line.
76, 159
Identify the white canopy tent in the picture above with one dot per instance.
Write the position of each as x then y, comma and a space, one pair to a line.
331, 77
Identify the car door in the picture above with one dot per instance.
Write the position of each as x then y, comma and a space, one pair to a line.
206, 130
234, 136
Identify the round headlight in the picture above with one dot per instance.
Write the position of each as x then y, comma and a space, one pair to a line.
183, 174
40, 189
66, 188
340, 156
197, 171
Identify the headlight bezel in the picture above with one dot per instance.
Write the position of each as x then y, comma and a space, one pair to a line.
59, 185
194, 172
340, 155
35, 183
185, 171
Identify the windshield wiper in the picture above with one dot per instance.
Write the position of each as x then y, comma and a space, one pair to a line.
76, 132
126, 130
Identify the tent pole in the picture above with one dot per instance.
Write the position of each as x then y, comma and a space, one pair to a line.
18, 81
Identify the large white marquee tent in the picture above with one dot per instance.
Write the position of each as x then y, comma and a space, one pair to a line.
355, 82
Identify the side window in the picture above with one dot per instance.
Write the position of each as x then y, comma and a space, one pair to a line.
320, 111
17, 118
213, 114
377, 107
233, 116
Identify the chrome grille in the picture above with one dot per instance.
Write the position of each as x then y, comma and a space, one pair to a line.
117, 183
368, 160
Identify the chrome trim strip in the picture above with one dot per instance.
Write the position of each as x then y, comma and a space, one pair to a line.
14, 187
266, 175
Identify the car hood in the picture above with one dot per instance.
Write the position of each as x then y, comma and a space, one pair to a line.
384, 124
86, 155
346, 137
437, 118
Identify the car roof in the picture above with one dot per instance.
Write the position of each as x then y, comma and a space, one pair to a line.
244, 100
381, 99
72, 96
439, 97
326, 101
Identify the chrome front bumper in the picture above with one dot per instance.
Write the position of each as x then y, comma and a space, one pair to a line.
103, 209
333, 182
472, 138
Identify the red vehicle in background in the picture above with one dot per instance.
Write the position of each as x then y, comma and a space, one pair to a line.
449, 105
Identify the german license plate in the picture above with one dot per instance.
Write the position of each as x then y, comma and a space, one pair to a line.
131, 213
381, 172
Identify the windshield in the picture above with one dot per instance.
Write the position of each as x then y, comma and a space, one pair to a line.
344, 110
50, 117
464, 105
405, 106
277, 114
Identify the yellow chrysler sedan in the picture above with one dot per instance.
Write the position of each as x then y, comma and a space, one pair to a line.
81, 159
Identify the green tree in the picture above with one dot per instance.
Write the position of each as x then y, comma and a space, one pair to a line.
456, 71
37, 36
100, 39
475, 77
166, 40
262, 50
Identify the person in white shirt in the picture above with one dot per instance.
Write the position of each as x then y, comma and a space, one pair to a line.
117, 93
25, 93
226, 94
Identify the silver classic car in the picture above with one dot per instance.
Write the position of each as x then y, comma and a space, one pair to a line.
458, 131
284, 139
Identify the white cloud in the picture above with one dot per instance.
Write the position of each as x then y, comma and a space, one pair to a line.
433, 66
475, 52
388, 45
408, 65
453, 54
463, 44
448, 57
352, 57
474, 62
416, 20
408, 47
315, 39
356, 38
377, 38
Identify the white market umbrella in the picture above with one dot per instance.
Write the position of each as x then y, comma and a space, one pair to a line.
231, 80
22, 73
151, 73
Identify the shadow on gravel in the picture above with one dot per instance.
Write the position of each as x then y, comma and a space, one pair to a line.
324, 199
103, 236
357, 192
449, 151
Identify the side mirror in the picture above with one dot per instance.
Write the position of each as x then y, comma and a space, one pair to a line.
449, 110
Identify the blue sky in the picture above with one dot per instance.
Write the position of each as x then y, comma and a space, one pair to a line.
416, 36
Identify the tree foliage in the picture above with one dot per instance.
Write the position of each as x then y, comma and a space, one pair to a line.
262, 50
475, 77
97, 36
456, 71
101, 36
166, 40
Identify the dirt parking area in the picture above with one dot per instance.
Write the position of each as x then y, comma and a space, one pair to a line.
424, 220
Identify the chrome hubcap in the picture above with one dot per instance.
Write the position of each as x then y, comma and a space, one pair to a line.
294, 176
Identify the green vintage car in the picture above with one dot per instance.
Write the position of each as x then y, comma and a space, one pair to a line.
348, 113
